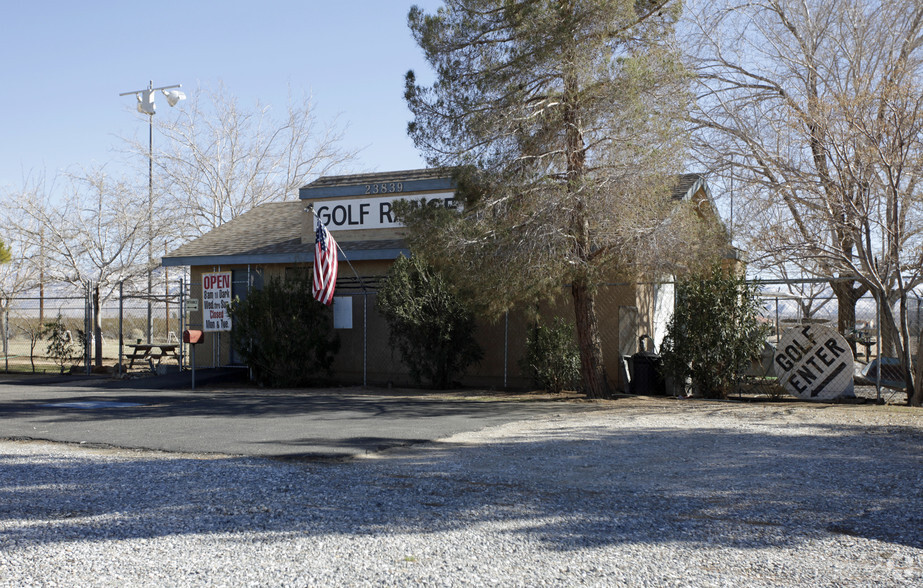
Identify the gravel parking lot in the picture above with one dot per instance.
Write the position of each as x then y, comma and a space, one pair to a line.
639, 492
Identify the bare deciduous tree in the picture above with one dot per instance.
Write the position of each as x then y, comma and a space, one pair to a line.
95, 231
819, 104
20, 269
215, 159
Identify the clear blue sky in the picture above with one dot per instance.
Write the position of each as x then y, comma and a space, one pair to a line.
64, 64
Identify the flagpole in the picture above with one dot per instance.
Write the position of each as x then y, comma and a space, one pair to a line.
310, 209
365, 298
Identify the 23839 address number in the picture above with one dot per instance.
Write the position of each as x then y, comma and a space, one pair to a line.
386, 188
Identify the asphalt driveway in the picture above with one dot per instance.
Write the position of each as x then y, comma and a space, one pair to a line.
318, 423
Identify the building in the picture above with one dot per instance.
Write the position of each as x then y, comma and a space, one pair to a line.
276, 239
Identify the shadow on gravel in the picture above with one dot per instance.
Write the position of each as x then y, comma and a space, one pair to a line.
717, 487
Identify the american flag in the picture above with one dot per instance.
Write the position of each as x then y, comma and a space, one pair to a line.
325, 264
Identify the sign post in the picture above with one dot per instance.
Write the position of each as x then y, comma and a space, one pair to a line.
193, 338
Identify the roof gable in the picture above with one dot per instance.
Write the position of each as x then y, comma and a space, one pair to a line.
688, 184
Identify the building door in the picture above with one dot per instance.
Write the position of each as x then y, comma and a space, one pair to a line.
628, 330
628, 342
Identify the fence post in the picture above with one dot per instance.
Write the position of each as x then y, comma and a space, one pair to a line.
88, 328
918, 317
365, 338
506, 346
878, 348
150, 303
919, 331
121, 314
778, 333
4, 324
182, 322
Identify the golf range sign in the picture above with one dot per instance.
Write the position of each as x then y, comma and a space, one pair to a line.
814, 362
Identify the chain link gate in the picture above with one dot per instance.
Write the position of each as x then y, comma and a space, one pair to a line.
148, 332
24, 323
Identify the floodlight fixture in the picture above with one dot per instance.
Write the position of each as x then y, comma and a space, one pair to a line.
146, 102
174, 96
146, 96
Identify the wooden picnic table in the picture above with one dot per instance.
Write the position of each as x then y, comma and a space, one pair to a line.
151, 351
860, 337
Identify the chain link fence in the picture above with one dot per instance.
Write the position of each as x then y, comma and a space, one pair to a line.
130, 321
24, 324
856, 315
367, 356
145, 333
626, 312
28, 345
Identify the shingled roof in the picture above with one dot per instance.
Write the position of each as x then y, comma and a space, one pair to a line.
377, 178
687, 184
383, 183
269, 233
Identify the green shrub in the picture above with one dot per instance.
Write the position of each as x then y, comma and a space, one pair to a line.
61, 347
552, 358
284, 335
84, 342
714, 333
429, 324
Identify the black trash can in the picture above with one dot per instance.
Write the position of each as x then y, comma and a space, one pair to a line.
647, 372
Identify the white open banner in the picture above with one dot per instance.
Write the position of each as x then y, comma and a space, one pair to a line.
216, 295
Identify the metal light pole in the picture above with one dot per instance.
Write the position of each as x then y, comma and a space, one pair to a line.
146, 106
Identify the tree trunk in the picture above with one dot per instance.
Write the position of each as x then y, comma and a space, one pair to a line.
917, 398
97, 328
890, 343
846, 297
3, 328
896, 343
588, 339
910, 377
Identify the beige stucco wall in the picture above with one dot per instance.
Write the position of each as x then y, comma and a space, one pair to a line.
503, 338
367, 355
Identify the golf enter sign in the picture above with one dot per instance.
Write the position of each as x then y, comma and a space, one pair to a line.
815, 363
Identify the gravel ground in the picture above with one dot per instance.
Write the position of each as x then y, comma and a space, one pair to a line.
641, 492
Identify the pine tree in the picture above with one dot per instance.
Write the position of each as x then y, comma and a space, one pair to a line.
5, 255
560, 120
